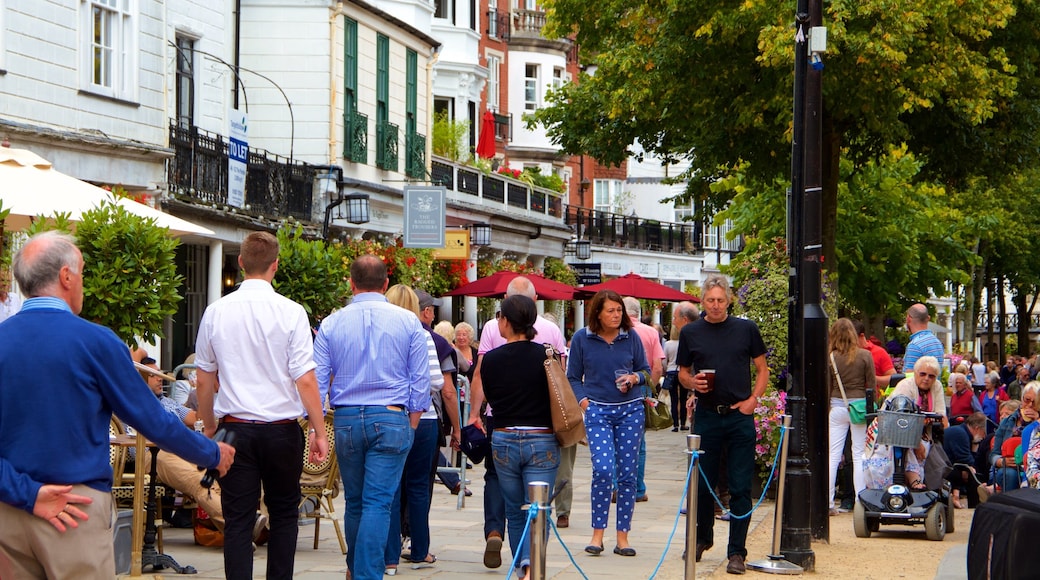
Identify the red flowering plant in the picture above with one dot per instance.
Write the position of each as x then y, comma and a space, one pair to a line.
514, 173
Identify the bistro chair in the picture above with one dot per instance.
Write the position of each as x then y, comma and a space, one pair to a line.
320, 485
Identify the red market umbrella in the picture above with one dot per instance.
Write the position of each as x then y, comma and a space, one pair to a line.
486, 141
494, 286
637, 286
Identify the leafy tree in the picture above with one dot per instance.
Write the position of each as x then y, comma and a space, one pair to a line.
311, 272
130, 279
712, 82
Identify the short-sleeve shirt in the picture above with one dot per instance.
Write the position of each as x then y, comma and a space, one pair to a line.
728, 347
882, 362
922, 343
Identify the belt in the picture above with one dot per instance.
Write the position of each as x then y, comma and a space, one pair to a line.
399, 408
234, 419
532, 431
721, 409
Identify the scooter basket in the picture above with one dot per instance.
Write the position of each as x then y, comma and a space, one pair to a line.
900, 429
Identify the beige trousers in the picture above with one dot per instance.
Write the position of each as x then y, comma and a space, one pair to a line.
32, 548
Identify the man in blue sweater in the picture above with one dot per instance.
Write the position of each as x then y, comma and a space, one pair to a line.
55, 407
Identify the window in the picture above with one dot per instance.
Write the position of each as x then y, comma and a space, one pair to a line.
606, 195
684, 211
110, 53
444, 9
710, 237
492, 21
531, 99
727, 244
185, 90
494, 64
559, 76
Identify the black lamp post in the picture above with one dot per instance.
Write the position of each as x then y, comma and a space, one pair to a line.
356, 204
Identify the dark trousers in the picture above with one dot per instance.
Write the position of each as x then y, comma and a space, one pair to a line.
734, 435
961, 478
270, 456
678, 395
494, 502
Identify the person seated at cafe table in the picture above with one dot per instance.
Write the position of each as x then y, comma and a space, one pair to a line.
180, 474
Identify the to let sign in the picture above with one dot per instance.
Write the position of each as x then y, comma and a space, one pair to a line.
238, 159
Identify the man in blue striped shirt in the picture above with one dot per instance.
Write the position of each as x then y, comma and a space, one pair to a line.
923, 341
372, 362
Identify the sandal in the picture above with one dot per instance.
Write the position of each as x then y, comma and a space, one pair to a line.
917, 486
426, 562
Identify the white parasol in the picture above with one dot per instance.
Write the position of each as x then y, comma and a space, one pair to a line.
30, 187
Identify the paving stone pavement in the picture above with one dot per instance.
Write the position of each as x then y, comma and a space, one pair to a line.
457, 535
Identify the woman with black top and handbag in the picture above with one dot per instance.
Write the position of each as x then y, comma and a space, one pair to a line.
852, 369
523, 444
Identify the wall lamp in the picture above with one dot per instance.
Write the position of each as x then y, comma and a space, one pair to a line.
354, 207
480, 234
580, 249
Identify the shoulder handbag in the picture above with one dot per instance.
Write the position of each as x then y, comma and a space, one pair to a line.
657, 414
857, 409
567, 418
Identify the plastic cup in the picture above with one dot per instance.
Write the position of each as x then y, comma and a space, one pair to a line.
621, 379
709, 375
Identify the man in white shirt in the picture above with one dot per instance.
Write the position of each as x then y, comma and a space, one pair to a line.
259, 343
494, 505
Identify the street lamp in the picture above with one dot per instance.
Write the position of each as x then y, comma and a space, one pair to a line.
480, 234
356, 204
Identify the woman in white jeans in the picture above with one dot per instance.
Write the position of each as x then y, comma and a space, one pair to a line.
855, 367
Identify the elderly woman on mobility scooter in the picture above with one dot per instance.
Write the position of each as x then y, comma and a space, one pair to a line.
898, 443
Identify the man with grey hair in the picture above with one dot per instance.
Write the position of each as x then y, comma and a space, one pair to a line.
682, 314
55, 475
494, 505
724, 415
923, 341
651, 340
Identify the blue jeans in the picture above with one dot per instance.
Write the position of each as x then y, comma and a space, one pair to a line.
372, 444
494, 504
614, 432
734, 434
522, 458
415, 487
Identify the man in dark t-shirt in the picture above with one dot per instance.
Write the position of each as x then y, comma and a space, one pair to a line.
724, 416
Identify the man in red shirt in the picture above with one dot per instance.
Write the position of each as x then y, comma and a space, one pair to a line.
883, 368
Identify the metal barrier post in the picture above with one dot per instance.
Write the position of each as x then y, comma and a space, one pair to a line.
776, 564
693, 445
538, 492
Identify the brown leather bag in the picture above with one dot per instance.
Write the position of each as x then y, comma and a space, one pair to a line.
568, 420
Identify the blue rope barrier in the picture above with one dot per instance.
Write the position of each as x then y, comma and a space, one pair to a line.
765, 489
678, 515
567, 550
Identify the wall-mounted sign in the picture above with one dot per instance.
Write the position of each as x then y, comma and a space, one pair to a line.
588, 274
424, 217
238, 158
456, 245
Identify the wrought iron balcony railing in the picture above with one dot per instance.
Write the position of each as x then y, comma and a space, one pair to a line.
356, 140
386, 146
611, 229
415, 155
198, 172
469, 184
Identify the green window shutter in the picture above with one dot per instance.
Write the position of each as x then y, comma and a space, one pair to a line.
355, 138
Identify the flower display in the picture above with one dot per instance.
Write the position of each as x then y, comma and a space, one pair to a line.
768, 425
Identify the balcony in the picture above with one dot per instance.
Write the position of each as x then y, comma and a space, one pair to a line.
415, 155
386, 146
356, 139
620, 231
198, 173
528, 23
469, 185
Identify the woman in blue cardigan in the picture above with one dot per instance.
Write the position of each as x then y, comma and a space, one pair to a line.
613, 406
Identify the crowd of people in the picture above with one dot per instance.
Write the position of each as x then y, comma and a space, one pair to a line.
389, 379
